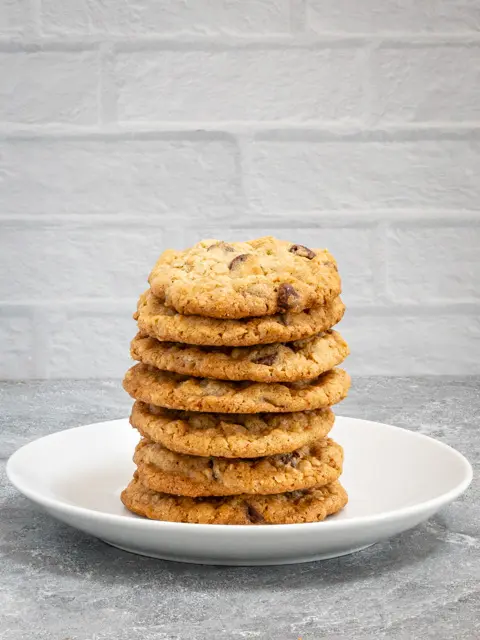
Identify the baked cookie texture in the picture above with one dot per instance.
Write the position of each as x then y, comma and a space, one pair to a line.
242, 279
230, 435
310, 505
166, 471
236, 375
158, 321
176, 391
299, 360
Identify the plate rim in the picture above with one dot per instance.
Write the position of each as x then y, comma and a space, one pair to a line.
330, 524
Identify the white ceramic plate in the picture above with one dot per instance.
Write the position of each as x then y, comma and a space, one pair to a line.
395, 479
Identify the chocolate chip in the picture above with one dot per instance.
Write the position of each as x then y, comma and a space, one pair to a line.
283, 319
298, 495
221, 245
236, 262
266, 360
286, 297
290, 459
253, 515
304, 252
299, 345
215, 472
296, 346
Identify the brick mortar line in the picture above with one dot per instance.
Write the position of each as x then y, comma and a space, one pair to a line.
17, 45
8, 383
264, 131
229, 41
10, 309
111, 133
86, 306
417, 132
340, 218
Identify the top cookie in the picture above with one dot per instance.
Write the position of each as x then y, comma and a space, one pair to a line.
243, 279
158, 321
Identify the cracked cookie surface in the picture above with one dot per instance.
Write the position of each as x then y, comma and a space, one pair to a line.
242, 279
161, 322
230, 435
311, 505
176, 391
163, 470
300, 360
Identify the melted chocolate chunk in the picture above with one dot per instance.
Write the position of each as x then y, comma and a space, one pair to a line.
290, 459
298, 495
253, 515
266, 360
215, 472
236, 262
286, 297
304, 252
296, 346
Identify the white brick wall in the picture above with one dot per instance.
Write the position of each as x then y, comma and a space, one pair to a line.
125, 17
191, 173
13, 16
29, 82
298, 85
127, 127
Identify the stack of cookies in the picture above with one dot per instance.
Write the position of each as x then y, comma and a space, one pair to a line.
236, 376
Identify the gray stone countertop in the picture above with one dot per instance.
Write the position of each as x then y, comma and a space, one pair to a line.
59, 584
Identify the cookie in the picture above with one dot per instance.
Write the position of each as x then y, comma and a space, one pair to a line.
242, 279
231, 435
300, 360
310, 505
163, 470
158, 321
176, 391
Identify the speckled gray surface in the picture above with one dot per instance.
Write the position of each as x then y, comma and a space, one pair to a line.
59, 584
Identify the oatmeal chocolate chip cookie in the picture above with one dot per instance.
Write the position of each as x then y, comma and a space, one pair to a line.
299, 360
158, 321
310, 505
176, 391
163, 470
230, 435
242, 279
